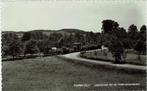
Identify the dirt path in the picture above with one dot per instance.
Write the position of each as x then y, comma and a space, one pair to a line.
75, 56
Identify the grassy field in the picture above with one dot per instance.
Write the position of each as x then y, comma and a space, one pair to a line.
131, 58
55, 74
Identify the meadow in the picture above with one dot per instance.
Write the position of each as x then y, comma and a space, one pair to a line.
131, 57
55, 74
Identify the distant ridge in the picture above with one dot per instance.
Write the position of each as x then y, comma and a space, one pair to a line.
73, 30
68, 30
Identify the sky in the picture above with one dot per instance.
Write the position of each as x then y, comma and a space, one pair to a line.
80, 14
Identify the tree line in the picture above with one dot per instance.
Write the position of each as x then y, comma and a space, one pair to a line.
113, 36
34, 42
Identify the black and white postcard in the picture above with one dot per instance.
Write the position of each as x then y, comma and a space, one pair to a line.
73, 45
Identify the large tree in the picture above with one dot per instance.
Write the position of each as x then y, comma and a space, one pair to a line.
11, 44
133, 35
143, 29
15, 48
5, 50
31, 47
133, 32
26, 36
140, 47
143, 32
109, 25
112, 37
44, 46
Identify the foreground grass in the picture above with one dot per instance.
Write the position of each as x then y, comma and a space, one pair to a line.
131, 58
54, 74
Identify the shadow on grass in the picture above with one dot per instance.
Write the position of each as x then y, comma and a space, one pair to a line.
29, 57
18, 58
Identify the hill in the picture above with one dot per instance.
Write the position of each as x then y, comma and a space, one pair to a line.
48, 32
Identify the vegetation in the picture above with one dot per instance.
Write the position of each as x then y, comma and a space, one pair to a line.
31, 47
42, 42
11, 45
132, 57
116, 38
140, 47
53, 74
14, 48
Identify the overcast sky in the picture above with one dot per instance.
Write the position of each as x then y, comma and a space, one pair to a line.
85, 15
